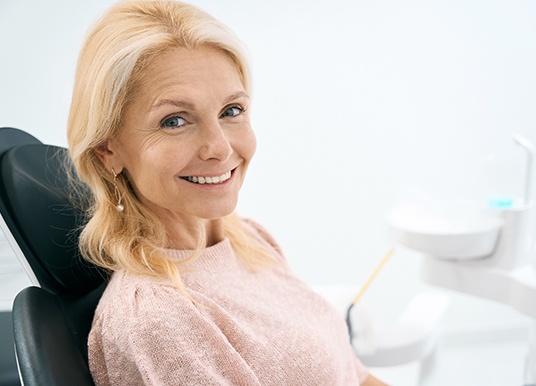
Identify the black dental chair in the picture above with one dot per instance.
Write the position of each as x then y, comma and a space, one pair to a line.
8, 366
51, 322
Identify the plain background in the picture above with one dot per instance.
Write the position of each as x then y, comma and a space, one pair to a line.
358, 107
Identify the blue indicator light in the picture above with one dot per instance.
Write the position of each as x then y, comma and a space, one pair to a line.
501, 203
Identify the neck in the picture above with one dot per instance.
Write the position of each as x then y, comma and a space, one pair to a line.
183, 235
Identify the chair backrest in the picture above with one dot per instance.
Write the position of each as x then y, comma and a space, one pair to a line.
36, 205
51, 323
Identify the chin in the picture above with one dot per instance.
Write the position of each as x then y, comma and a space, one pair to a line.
217, 213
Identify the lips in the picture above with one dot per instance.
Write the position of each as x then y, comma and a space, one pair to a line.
208, 180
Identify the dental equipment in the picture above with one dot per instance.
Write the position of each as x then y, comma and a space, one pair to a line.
525, 144
486, 252
413, 336
363, 289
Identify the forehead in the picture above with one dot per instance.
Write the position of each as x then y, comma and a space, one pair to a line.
180, 66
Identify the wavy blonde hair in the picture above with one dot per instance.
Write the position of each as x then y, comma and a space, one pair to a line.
111, 64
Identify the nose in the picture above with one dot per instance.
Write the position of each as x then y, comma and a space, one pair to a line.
215, 144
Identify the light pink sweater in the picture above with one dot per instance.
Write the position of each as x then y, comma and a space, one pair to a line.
245, 328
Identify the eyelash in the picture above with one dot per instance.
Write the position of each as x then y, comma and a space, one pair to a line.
163, 123
240, 109
164, 126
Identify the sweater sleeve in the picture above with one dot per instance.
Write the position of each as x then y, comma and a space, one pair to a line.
266, 236
144, 341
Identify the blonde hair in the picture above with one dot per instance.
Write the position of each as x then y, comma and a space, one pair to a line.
110, 66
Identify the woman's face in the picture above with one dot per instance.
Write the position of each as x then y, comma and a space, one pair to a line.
185, 142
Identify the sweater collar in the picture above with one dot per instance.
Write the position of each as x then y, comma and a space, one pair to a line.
217, 257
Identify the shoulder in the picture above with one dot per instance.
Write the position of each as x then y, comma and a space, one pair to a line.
145, 331
262, 233
129, 298
138, 313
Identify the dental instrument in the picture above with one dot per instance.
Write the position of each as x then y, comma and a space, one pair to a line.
364, 288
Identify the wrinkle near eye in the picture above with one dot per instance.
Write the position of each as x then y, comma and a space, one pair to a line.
151, 140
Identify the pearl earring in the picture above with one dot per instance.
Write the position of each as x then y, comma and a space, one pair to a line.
119, 206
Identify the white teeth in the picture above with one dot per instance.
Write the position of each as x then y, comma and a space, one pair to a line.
210, 180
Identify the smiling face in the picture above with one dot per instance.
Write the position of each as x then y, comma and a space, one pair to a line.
185, 141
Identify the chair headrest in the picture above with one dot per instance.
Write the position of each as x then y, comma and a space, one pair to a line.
36, 196
11, 137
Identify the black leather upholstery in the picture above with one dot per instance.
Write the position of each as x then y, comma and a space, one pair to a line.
36, 202
50, 323
13, 137
8, 366
51, 337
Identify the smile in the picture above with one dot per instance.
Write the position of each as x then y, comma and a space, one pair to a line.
209, 180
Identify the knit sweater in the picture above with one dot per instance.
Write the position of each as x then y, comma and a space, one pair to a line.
242, 328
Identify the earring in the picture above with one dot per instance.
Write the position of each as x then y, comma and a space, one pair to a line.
119, 206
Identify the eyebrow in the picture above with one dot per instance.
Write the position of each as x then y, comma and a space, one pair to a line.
190, 106
176, 103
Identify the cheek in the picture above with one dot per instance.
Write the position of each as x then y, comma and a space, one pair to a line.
248, 145
147, 168
163, 162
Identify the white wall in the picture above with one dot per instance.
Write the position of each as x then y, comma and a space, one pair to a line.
358, 105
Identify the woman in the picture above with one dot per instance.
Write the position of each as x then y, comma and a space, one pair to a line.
159, 130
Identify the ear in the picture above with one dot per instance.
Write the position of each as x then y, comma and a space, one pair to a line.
108, 157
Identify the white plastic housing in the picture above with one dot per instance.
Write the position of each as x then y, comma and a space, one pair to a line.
456, 231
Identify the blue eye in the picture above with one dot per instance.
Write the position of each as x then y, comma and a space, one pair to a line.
232, 111
173, 122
